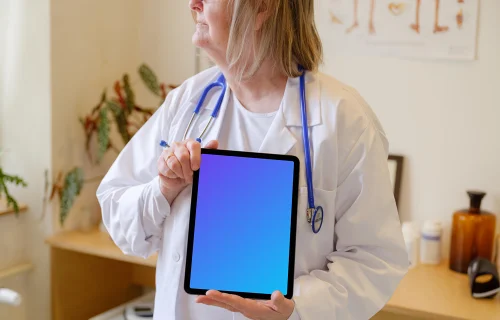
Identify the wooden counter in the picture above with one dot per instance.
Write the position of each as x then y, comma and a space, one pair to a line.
437, 292
95, 243
90, 259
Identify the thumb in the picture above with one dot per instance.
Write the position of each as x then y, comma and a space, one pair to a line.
212, 144
278, 300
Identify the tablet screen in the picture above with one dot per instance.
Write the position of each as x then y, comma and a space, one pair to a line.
242, 236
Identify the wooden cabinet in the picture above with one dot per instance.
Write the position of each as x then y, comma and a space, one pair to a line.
91, 275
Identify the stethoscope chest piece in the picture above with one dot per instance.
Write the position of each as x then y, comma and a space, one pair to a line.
315, 218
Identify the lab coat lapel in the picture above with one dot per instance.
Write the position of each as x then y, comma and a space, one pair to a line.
279, 139
286, 128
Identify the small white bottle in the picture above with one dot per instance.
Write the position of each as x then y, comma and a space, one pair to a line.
411, 236
430, 242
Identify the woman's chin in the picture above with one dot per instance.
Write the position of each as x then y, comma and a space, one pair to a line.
200, 42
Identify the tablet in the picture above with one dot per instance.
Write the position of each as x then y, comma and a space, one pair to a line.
243, 224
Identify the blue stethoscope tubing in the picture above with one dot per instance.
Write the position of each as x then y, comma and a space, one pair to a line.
314, 214
220, 82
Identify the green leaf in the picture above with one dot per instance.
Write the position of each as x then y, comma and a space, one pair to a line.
121, 120
103, 129
150, 79
16, 180
12, 202
73, 183
129, 94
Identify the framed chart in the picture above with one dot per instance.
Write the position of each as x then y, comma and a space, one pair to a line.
395, 163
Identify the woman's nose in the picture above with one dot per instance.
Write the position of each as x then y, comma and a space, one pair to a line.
196, 5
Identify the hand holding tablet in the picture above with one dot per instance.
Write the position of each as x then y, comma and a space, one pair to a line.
241, 241
278, 308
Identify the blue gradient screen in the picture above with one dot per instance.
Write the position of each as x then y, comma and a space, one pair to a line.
243, 223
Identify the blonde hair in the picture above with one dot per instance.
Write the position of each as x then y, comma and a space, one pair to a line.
288, 36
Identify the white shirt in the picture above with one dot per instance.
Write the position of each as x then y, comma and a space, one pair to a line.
348, 270
243, 130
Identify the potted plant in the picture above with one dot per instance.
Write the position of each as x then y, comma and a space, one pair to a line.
128, 117
5, 180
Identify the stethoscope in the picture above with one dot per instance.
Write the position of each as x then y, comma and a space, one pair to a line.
314, 214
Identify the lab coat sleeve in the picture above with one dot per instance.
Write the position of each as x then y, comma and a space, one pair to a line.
370, 257
133, 207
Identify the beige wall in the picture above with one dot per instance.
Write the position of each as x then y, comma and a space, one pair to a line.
92, 44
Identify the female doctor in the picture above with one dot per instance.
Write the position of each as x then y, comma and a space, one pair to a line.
346, 270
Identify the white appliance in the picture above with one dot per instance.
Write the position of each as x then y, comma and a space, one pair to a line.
10, 297
137, 309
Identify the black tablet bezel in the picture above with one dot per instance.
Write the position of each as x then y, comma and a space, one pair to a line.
293, 224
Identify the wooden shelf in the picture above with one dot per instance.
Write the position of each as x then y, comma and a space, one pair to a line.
95, 243
15, 270
4, 210
437, 292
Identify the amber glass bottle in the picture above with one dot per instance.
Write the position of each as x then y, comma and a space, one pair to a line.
472, 234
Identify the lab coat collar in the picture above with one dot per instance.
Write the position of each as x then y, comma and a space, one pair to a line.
291, 107
280, 139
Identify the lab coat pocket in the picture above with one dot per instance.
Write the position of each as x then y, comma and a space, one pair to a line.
312, 248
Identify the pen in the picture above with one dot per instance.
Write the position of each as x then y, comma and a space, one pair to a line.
164, 144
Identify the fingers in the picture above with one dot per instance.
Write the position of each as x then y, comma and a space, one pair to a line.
182, 155
213, 144
194, 149
182, 158
167, 165
162, 166
211, 302
175, 167
245, 306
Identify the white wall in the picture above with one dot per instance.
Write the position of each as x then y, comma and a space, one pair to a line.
442, 116
25, 134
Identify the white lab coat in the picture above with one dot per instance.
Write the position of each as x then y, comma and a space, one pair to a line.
348, 270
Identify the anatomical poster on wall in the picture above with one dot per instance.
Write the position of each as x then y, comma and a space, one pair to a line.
442, 29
